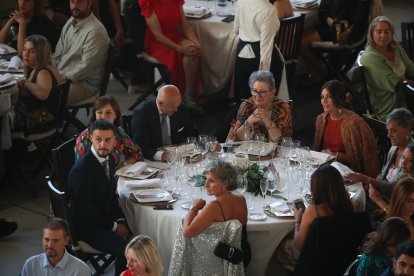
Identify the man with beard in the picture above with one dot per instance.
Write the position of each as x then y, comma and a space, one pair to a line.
96, 217
55, 260
403, 262
81, 51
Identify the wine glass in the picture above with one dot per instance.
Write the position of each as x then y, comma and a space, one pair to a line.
202, 141
242, 183
211, 145
272, 186
191, 144
264, 184
295, 148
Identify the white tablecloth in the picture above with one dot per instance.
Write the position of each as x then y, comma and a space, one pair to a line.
264, 236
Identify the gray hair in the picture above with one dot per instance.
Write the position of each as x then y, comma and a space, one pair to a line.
393, 44
225, 172
402, 116
262, 76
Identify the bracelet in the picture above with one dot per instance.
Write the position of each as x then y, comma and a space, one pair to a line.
271, 125
386, 209
195, 209
297, 225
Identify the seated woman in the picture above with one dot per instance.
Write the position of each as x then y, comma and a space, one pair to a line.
263, 112
40, 75
399, 125
257, 24
221, 180
171, 40
142, 258
401, 203
330, 198
380, 246
386, 66
125, 150
284, 8
31, 20
354, 12
343, 133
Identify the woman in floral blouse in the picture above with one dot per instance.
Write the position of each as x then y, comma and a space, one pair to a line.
125, 151
262, 113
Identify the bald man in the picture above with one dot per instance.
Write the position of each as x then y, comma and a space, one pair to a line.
161, 122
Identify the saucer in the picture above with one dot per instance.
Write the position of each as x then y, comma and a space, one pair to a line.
257, 216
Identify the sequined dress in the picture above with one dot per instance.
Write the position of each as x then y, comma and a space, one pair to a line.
195, 256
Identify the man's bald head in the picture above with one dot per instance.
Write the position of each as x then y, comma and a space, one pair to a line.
168, 99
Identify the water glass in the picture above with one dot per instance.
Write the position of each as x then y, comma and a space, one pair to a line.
294, 149
202, 141
191, 142
242, 183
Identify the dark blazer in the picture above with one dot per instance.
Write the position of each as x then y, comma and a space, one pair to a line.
93, 203
146, 127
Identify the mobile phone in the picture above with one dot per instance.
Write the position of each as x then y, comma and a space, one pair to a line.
299, 204
163, 207
228, 18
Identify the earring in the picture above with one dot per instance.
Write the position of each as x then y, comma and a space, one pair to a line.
339, 110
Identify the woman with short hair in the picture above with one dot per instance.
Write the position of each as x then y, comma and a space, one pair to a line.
125, 150
263, 113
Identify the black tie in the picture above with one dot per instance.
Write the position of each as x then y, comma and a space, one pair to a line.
106, 167
166, 140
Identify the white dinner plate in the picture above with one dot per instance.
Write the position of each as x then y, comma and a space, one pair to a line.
257, 216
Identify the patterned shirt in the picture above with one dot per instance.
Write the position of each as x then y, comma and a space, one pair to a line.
373, 264
124, 146
280, 115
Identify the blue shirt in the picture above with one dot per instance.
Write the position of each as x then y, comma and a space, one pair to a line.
68, 265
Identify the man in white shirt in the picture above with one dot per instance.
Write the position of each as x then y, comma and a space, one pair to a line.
81, 51
55, 260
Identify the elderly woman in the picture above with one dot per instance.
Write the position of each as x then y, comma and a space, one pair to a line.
399, 125
171, 40
40, 75
263, 112
401, 203
354, 12
386, 67
221, 181
125, 151
343, 133
142, 257
257, 23
380, 246
28, 19
330, 198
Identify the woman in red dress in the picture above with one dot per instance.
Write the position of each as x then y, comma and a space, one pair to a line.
171, 40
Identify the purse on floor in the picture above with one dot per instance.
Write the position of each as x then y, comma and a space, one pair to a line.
228, 253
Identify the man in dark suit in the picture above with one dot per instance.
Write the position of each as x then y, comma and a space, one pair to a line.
96, 217
161, 122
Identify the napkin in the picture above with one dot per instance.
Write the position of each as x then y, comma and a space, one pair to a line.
343, 169
280, 207
15, 63
6, 78
136, 169
198, 11
146, 183
321, 157
6, 49
185, 148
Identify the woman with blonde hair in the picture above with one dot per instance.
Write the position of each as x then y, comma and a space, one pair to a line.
142, 257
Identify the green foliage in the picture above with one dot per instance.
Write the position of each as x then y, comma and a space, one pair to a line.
255, 173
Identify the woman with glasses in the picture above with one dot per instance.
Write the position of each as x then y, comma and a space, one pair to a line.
343, 133
262, 113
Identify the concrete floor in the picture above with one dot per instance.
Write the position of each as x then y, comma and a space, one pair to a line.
17, 204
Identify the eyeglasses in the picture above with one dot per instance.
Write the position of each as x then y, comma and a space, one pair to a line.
260, 93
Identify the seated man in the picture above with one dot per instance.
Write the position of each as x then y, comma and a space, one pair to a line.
96, 217
403, 262
56, 260
81, 51
161, 122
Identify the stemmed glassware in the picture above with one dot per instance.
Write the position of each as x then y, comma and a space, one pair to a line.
242, 183
264, 184
202, 142
211, 145
191, 142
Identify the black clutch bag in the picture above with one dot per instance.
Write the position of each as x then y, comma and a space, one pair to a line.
228, 253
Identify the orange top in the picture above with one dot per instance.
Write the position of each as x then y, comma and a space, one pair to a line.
332, 138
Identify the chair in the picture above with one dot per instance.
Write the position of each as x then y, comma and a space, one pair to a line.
137, 24
288, 41
332, 243
407, 34
99, 260
351, 270
126, 124
44, 141
356, 77
88, 103
63, 159
381, 135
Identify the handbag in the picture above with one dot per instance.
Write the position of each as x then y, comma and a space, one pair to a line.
228, 253
338, 27
39, 120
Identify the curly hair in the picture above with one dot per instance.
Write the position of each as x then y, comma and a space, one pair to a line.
225, 172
